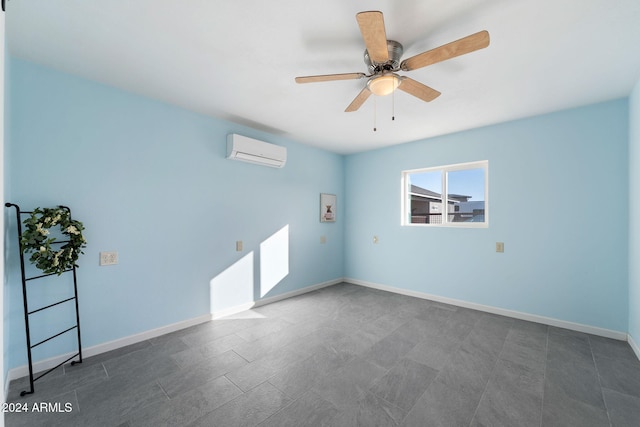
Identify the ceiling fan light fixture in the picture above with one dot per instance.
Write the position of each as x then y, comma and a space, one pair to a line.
383, 85
382, 58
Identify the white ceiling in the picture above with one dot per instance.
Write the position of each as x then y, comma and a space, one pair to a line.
237, 59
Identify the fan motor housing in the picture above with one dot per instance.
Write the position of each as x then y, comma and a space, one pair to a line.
395, 50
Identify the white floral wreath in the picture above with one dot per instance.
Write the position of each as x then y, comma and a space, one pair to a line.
34, 239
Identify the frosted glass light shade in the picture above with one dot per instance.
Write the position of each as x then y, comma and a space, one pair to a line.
383, 85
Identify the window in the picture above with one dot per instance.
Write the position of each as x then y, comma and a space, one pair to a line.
465, 204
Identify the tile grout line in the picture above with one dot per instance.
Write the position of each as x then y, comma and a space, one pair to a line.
484, 390
236, 385
293, 400
162, 388
75, 393
105, 370
439, 372
239, 355
595, 364
544, 375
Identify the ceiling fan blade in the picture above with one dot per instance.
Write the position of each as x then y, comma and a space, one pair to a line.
359, 100
330, 77
465, 45
418, 89
374, 35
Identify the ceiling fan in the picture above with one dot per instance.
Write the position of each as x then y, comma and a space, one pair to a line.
382, 58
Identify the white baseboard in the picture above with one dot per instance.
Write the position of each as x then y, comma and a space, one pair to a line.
46, 364
622, 336
247, 306
634, 346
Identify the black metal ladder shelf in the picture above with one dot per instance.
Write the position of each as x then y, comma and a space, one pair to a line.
28, 312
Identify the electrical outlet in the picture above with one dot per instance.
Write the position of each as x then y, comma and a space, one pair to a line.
108, 258
323, 239
238, 245
500, 247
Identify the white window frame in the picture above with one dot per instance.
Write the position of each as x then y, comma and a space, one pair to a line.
406, 199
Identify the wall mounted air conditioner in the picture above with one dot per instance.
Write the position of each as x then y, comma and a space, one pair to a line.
253, 151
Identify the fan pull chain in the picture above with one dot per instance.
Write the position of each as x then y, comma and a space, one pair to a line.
393, 105
375, 109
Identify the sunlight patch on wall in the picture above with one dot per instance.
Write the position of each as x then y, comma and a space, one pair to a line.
274, 260
234, 286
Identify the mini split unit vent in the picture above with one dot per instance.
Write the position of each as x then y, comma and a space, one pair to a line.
253, 151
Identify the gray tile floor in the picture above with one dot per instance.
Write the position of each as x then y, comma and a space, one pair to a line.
349, 356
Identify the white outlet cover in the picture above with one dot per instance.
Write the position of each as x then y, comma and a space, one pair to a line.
108, 258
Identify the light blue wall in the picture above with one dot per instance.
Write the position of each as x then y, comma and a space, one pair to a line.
634, 214
150, 181
558, 199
